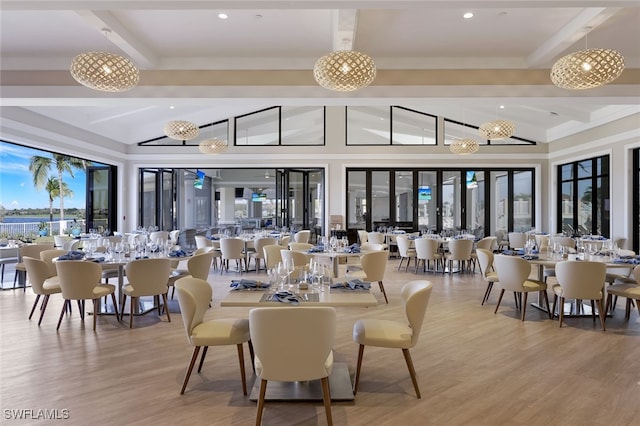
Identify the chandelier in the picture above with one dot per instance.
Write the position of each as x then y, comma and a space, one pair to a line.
464, 146
181, 130
344, 71
104, 71
497, 129
587, 69
212, 146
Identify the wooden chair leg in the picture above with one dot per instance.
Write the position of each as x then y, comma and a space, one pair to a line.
34, 305
115, 304
524, 305
383, 292
546, 301
242, 372
191, 364
487, 292
252, 355
64, 308
204, 355
358, 368
608, 306
43, 308
593, 310
263, 391
601, 313
555, 304
131, 303
499, 300
561, 310
412, 371
95, 312
166, 307
124, 301
326, 397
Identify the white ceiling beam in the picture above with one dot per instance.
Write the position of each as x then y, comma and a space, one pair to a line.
141, 54
344, 23
577, 28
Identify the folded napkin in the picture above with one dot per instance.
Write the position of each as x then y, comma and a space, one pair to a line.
72, 255
286, 297
214, 238
530, 257
353, 248
244, 284
98, 259
509, 252
353, 285
628, 261
177, 253
316, 249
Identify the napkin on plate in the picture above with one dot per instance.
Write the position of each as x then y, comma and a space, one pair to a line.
530, 257
72, 255
353, 248
355, 284
316, 249
177, 253
245, 284
286, 297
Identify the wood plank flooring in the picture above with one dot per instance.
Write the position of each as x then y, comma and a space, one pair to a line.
473, 367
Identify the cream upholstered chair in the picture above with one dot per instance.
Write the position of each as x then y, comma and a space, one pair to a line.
460, 252
486, 243
570, 243
194, 295
157, 236
258, 254
202, 241
580, 280
48, 255
374, 264
174, 235
302, 247
232, 249
517, 240
353, 263
363, 236
272, 255
71, 245
501, 239
426, 251
42, 283
284, 241
630, 290
485, 259
542, 242
372, 247
198, 266
28, 250
375, 238
7, 256
80, 280
395, 334
302, 236
59, 240
304, 352
299, 260
405, 251
147, 277
513, 275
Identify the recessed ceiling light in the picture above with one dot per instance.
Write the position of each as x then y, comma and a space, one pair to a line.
468, 15
171, 107
501, 106
223, 15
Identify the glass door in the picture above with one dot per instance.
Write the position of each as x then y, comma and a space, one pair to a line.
451, 203
427, 202
300, 199
101, 199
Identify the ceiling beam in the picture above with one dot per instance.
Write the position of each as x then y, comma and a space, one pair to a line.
142, 55
344, 23
577, 28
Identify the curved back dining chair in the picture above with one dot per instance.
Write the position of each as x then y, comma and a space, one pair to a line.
580, 280
232, 249
303, 353
301, 247
174, 235
396, 334
202, 241
485, 261
258, 254
374, 265
405, 251
376, 238
542, 242
513, 275
302, 236
299, 260
628, 288
426, 251
517, 240
27, 250
48, 255
80, 280
284, 241
157, 236
194, 296
198, 266
42, 283
272, 255
71, 245
363, 236
147, 277
460, 252
564, 241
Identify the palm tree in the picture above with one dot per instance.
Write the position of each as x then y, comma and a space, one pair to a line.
41, 167
55, 189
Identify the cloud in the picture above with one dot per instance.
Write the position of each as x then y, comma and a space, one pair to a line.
14, 203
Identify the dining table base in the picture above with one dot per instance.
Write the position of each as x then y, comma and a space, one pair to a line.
571, 309
340, 388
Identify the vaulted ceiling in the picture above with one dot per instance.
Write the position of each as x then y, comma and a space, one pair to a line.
197, 66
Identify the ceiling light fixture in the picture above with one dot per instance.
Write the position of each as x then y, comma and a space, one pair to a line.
104, 71
587, 68
464, 146
212, 146
344, 71
468, 15
181, 130
223, 15
497, 129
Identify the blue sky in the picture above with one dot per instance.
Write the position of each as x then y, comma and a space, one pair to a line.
16, 181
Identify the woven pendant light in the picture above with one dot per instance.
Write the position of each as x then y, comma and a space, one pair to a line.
212, 146
497, 129
587, 69
181, 130
344, 71
464, 146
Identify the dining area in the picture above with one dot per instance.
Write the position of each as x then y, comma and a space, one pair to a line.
214, 389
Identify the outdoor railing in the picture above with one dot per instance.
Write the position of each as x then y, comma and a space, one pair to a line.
17, 229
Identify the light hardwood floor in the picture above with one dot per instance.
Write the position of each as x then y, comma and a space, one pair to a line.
473, 367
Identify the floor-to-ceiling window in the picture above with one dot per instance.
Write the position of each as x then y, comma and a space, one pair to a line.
583, 197
636, 201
